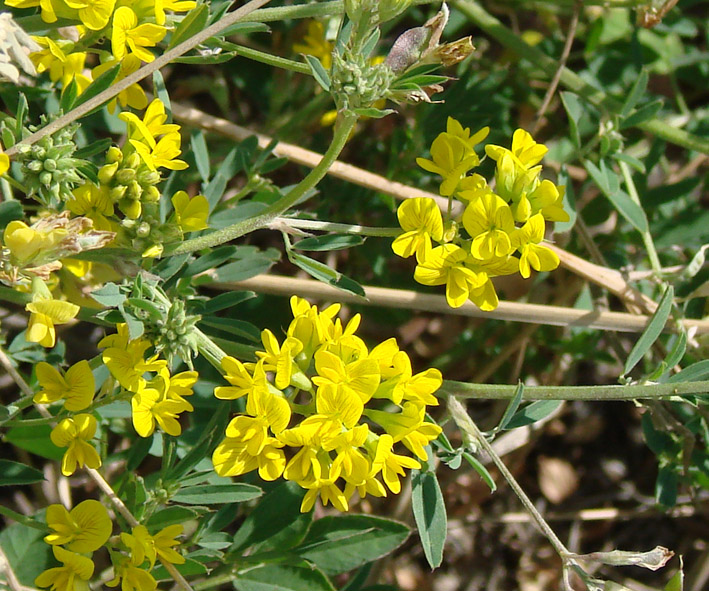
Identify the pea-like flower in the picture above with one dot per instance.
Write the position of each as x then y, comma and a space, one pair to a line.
421, 221
128, 34
75, 433
84, 529
73, 575
76, 386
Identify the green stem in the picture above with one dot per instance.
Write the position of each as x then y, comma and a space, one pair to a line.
571, 80
315, 10
342, 132
475, 438
209, 349
598, 393
335, 227
23, 519
647, 237
266, 58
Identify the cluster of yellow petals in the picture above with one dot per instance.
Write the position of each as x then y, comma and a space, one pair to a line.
157, 400
493, 244
355, 405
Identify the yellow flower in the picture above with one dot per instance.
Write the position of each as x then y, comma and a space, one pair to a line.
163, 153
63, 67
45, 313
446, 265
152, 125
50, 8
489, 222
403, 385
28, 245
4, 162
127, 32
94, 203
190, 214
548, 199
350, 463
421, 220
533, 254
126, 360
525, 150
133, 96
281, 360
408, 426
95, 14
149, 407
242, 383
73, 575
174, 6
77, 386
84, 529
143, 546
453, 155
232, 458
131, 577
391, 465
74, 433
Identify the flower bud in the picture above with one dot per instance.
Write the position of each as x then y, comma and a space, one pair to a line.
125, 176
45, 178
132, 161
114, 154
117, 193
148, 177
143, 230
35, 165
107, 172
134, 190
50, 165
151, 195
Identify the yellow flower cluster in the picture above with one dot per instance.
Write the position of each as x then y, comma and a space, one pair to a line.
355, 406
82, 530
132, 27
86, 528
492, 244
158, 400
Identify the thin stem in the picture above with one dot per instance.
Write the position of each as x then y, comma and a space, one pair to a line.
336, 227
646, 236
233, 17
23, 519
493, 27
598, 393
267, 58
342, 132
470, 429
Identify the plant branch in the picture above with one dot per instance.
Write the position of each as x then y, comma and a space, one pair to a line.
233, 17
317, 225
342, 132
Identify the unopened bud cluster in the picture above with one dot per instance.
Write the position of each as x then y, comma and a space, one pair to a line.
172, 335
129, 183
49, 170
357, 83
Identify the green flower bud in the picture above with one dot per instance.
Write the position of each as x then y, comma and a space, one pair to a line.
148, 177
125, 176
151, 195
50, 165
132, 161
143, 230
134, 190
117, 193
107, 172
114, 154
45, 178
35, 165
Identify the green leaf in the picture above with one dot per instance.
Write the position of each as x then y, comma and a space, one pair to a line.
430, 515
9, 211
240, 328
325, 274
373, 112
319, 73
15, 474
678, 350
227, 300
153, 311
511, 408
194, 21
110, 295
97, 147
338, 544
696, 372
630, 161
276, 513
281, 577
607, 181
201, 153
170, 516
666, 486
215, 189
652, 332
98, 86
533, 412
243, 269
643, 114
574, 109
635, 94
217, 58
481, 470
210, 260
214, 494
138, 450
676, 583
69, 94
35, 440
26, 552
189, 567
329, 242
